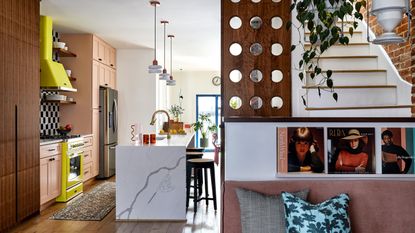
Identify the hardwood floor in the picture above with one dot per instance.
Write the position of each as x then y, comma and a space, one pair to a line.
206, 220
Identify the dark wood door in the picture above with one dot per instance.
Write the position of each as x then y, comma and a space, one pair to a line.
19, 121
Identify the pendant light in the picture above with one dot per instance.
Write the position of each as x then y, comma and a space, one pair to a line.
155, 68
171, 81
164, 75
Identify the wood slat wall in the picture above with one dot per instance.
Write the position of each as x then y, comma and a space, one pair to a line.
266, 62
19, 93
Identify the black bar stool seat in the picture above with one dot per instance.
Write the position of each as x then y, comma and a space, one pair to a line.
199, 165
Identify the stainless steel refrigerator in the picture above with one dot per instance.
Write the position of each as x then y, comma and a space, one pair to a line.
108, 131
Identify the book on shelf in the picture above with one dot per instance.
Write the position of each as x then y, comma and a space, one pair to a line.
300, 149
397, 150
351, 150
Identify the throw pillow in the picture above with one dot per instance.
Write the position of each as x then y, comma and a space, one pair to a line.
328, 216
261, 213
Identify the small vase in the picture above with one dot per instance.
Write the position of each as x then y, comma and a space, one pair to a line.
204, 142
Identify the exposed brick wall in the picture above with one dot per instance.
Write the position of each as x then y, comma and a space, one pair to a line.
402, 55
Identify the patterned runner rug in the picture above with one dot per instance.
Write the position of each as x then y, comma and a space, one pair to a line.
91, 206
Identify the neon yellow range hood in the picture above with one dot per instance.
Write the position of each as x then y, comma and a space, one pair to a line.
53, 76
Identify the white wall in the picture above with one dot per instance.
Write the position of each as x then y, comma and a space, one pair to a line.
191, 83
136, 91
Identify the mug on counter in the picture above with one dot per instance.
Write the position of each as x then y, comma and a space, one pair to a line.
146, 138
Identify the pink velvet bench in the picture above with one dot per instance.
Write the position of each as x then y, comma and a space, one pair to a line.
376, 206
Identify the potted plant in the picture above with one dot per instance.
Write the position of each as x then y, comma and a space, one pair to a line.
205, 126
320, 18
176, 111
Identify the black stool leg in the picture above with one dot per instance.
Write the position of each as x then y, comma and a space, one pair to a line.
188, 174
195, 187
206, 187
212, 178
200, 181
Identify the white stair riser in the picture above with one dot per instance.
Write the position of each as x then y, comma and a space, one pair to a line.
349, 63
351, 50
353, 97
385, 112
353, 79
356, 38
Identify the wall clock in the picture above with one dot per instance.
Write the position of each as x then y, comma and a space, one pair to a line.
216, 81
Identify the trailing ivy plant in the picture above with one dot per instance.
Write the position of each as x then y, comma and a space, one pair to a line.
320, 17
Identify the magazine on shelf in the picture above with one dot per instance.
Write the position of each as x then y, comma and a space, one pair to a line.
351, 150
300, 149
397, 150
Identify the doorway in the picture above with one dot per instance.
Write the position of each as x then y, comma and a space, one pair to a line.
208, 104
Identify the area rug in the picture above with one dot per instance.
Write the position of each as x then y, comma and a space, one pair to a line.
91, 206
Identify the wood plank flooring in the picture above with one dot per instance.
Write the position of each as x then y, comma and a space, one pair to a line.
206, 220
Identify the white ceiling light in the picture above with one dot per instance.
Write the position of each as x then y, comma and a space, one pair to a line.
164, 75
155, 68
171, 81
389, 14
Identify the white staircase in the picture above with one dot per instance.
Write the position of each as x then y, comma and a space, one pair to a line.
365, 79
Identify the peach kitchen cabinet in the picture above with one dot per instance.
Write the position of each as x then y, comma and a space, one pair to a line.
50, 172
92, 69
89, 159
103, 52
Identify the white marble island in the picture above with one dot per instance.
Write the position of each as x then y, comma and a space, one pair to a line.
151, 180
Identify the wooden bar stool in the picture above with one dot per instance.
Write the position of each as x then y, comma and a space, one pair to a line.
194, 155
201, 165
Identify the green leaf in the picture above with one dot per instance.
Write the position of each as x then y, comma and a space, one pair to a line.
319, 28
301, 75
329, 73
310, 25
355, 25
301, 63
351, 31
358, 6
312, 55
292, 7
292, 48
317, 70
313, 38
335, 96
319, 91
329, 83
288, 25
304, 102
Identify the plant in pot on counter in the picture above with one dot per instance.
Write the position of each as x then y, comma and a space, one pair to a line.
205, 126
321, 19
176, 111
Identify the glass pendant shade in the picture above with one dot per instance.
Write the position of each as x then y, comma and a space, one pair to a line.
155, 68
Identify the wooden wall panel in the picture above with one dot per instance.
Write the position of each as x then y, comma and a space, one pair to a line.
19, 86
7, 201
246, 62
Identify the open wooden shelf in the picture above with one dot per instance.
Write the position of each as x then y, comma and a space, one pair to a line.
59, 101
64, 53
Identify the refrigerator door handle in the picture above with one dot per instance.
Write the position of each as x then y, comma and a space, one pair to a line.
115, 117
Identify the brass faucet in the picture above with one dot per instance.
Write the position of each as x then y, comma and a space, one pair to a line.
153, 120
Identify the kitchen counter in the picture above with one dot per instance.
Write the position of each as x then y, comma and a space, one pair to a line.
151, 180
44, 142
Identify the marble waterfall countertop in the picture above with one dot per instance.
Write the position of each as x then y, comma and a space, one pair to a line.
151, 180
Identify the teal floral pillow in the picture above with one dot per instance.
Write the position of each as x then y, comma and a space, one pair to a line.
327, 217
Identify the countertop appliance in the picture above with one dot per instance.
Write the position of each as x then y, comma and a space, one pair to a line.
108, 131
72, 168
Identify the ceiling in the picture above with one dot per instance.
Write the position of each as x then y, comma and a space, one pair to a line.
129, 24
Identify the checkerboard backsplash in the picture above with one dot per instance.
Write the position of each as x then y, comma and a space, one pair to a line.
49, 116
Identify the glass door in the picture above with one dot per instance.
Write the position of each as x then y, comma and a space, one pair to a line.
208, 104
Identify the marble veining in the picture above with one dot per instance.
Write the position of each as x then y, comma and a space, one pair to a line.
164, 186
